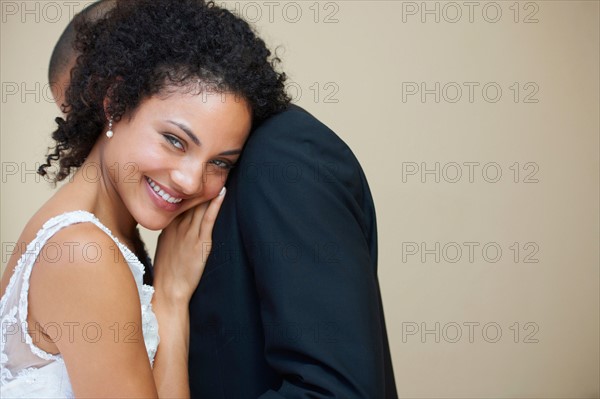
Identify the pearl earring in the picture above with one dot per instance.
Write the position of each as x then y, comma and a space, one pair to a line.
110, 132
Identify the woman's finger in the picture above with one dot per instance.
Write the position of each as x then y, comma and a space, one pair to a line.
210, 216
197, 213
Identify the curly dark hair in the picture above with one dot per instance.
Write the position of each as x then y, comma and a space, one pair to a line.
141, 48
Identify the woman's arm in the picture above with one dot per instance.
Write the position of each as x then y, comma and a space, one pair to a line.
177, 271
87, 301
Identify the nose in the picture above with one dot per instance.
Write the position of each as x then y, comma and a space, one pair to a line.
189, 178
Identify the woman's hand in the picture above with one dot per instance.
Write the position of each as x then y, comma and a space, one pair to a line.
182, 250
181, 254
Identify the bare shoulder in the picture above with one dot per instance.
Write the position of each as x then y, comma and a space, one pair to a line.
81, 267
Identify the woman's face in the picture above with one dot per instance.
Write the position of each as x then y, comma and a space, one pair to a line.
174, 152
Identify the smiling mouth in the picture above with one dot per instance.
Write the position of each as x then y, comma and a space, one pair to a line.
161, 193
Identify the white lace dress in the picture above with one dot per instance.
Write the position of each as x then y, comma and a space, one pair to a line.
27, 371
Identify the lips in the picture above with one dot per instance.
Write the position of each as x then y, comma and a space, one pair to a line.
161, 192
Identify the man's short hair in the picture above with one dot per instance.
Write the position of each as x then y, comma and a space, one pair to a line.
64, 54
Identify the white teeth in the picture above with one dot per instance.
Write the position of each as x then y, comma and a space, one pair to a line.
160, 192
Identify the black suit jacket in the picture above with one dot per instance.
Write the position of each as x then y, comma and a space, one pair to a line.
289, 303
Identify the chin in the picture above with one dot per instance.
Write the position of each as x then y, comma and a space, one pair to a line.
153, 226
155, 223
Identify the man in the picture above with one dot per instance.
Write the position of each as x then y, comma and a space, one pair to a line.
289, 303
64, 55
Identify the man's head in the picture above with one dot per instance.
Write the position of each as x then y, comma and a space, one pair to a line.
64, 54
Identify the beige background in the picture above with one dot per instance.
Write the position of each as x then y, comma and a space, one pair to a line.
362, 58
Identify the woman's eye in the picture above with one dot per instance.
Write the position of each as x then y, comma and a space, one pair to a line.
174, 141
223, 164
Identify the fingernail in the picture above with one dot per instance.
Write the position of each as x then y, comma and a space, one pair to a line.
223, 190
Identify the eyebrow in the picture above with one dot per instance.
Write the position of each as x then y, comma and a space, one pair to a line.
187, 131
231, 152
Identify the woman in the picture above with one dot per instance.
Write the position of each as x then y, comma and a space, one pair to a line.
161, 101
